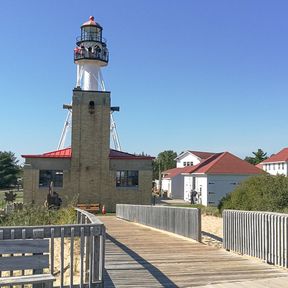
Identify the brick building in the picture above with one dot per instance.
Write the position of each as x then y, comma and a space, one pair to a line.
89, 171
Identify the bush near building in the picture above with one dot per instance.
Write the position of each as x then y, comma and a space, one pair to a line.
32, 215
259, 193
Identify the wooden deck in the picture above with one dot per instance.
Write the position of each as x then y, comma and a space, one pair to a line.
138, 256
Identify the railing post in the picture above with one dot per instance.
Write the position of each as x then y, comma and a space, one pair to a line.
38, 234
87, 253
258, 234
102, 254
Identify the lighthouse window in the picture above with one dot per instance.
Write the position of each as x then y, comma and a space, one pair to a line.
127, 178
46, 176
91, 107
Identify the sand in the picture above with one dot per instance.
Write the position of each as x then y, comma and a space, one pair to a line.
212, 230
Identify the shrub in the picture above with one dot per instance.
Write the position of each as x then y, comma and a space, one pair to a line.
33, 215
259, 193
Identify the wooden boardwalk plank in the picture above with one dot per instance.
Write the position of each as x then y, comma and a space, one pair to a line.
138, 256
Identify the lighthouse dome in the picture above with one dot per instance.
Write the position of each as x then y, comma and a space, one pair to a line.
91, 22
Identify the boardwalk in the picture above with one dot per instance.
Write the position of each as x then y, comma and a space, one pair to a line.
137, 256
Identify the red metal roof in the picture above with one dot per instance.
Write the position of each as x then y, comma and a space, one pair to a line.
281, 156
90, 22
66, 153
63, 153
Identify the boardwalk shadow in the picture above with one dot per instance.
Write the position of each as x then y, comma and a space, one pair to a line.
155, 272
107, 280
215, 237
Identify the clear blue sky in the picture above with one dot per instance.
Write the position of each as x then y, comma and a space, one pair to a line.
202, 75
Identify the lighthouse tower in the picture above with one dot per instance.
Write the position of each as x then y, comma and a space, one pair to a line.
90, 141
90, 55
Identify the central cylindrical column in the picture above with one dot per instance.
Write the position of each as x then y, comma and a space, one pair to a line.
88, 76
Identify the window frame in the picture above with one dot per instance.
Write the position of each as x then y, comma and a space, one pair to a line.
127, 179
58, 181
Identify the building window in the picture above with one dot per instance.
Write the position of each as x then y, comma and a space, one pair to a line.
127, 178
184, 163
282, 166
46, 176
279, 166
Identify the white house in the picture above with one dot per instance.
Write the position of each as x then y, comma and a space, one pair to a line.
216, 176
173, 180
190, 158
277, 163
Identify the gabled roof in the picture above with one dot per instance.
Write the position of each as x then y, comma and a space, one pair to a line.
226, 163
67, 153
200, 154
281, 156
176, 171
218, 163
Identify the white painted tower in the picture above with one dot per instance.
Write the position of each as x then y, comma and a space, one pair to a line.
90, 55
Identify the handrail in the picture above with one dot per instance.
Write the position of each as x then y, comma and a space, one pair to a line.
88, 234
259, 234
103, 55
92, 217
179, 220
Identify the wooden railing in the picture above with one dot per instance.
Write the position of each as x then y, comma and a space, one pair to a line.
76, 250
181, 221
259, 234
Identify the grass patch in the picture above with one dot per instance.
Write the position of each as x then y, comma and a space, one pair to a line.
205, 210
37, 215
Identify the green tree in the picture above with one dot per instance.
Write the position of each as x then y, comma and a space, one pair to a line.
9, 169
259, 156
259, 193
164, 161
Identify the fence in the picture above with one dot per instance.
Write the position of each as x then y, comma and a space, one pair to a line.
76, 250
259, 234
181, 221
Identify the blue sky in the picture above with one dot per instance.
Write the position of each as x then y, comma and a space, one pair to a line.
201, 75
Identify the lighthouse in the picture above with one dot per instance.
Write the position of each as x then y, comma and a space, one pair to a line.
90, 55
91, 108
89, 172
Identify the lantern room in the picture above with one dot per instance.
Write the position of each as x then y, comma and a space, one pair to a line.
91, 30
90, 55
90, 44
